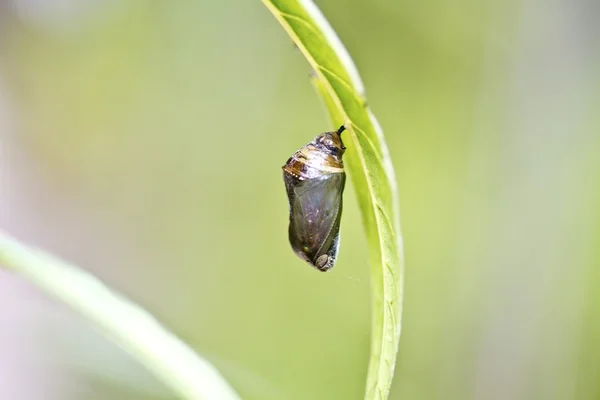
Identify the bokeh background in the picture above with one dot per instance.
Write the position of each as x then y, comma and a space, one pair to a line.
143, 140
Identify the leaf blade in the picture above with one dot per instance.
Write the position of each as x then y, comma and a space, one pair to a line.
340, 87
132, 328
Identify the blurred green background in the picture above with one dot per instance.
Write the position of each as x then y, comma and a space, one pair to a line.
144, 140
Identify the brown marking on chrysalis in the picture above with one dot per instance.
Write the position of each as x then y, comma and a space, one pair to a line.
321, 156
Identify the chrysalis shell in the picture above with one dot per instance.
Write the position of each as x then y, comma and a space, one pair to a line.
314, 179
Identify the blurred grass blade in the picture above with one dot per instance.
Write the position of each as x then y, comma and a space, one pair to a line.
131, 327
338, 83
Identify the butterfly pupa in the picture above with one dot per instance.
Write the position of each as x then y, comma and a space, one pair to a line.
314, 180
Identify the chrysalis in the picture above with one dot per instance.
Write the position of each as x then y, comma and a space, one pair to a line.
314, 179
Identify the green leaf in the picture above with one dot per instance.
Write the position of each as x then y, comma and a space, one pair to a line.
128, 325
339, 85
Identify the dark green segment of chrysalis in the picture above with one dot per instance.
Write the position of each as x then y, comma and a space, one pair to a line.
315, 213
